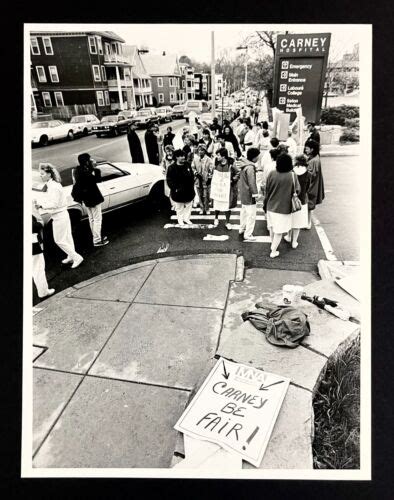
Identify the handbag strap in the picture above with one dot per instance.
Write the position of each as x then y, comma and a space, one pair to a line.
292, 176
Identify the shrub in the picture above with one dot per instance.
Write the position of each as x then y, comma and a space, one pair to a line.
337, 115
337, 413
352, 122
350, 135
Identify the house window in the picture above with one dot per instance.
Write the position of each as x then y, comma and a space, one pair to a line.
107, 48
161, 97
99, 45
53, 74
103, 74
41, 74
35, 49
183, 84
59, 99
160, 82
172, 97
106, 95
100, 98
96, 73
92, 45
47, 45
46, 98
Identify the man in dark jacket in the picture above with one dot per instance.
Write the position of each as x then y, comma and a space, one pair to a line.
249, 194
215, 127
168, 137
180, 180
86, 191
313, 133
152, 146
137, 156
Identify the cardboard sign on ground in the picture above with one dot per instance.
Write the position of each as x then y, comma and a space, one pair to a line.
236, 407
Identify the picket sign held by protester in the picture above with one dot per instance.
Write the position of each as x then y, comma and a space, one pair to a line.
220, 186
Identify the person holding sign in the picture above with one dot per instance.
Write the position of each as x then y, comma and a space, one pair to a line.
249, 194
224, 191
281, 183
180, 180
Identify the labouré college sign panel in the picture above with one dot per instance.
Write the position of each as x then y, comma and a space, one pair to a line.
299, 73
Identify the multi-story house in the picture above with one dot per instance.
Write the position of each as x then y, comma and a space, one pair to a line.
78, 71
203, 86
141, 92
166, 76
187, 82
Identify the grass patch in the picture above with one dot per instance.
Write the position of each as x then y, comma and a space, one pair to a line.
336, 406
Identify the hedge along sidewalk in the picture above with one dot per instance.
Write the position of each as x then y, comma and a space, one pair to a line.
290, 446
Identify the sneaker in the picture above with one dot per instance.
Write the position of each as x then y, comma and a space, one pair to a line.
274, 254
50, 292
250, 238
216, 222
294, 245
68, 260
228, 225
104, 238
188, 222
208, 212
181, 223
287, 238
201, 212
309, 226
77, 262
101, 243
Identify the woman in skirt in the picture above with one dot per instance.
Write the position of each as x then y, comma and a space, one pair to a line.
225, 165
277, 201
316, 186
299, 220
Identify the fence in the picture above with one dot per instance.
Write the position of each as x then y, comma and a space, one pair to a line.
66, 112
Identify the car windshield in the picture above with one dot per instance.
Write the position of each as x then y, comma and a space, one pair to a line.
77, 119
40, 125
109, 119
195, 105
143, 113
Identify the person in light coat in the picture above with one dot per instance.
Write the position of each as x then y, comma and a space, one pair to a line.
38, 267
291, 145
202, 166
249, 193
55, 203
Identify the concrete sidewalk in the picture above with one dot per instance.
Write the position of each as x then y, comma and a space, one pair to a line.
117, 358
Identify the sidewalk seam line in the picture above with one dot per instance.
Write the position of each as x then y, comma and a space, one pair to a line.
92, 375
177, 305
223, 315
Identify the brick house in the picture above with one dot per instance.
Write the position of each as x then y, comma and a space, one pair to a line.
166, 76
187, 90
79, 69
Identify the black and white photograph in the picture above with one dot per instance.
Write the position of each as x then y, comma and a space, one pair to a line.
197, 301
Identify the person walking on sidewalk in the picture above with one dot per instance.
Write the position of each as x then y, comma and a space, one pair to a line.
207, 141
202, 166
249, 194
180, 179
168, 137
250, 136
313, 133
168, 159
316, 186
224, 190
137, 156
299, 220
86, 191
229, 136
55, 203
277, 201
39, 277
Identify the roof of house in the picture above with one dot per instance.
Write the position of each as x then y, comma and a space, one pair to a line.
139, 70
106, 34
161, 65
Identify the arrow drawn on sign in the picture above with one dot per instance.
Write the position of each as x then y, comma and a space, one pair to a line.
225, 374
265, 388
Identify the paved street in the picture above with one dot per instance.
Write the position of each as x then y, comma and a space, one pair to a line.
137, 232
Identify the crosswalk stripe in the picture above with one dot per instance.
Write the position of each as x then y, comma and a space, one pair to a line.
212, 217
260, 239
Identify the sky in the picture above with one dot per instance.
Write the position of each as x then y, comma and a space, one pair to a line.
194, 40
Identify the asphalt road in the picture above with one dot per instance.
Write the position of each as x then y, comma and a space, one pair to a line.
138, 232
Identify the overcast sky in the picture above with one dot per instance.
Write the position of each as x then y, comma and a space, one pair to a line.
194, 40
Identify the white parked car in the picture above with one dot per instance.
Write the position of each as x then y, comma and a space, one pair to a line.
165, 113
122, 183
44, 132
86, 122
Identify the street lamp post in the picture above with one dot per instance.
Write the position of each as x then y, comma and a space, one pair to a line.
245, 47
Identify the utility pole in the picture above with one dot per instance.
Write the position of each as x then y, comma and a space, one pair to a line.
213, 87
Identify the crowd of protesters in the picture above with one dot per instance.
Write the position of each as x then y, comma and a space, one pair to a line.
209, 166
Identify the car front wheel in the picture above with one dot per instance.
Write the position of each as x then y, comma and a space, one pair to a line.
85, 131
44, 140
70, 135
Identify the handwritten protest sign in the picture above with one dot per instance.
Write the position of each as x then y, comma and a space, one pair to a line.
236, 407
220, 186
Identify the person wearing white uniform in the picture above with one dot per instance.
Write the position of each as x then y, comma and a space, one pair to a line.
192, 116
292, 145
39, 277
55, 203
250, 137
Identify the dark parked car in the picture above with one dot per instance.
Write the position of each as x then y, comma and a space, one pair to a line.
112, 125
145, 117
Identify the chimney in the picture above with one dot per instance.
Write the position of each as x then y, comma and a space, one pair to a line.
164, 53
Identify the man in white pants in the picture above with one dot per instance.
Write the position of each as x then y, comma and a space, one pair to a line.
249, 194
38, 267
